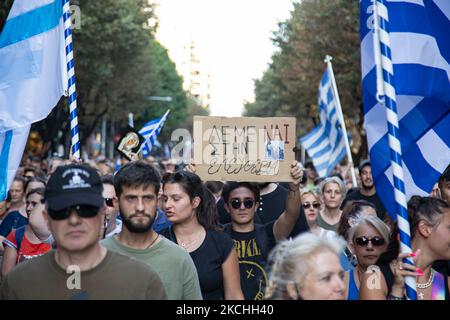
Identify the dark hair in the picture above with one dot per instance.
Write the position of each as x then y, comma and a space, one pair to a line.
214, 186
108, 179
232, 185
351, 210
206, 212
445, 175
28, 169
39, 191
425, 208
21, 179
134, 174
34, 179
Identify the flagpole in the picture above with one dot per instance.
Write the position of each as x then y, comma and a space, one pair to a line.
341, 117
75, 141
386, 96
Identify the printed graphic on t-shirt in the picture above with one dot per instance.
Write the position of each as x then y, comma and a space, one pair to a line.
251, 265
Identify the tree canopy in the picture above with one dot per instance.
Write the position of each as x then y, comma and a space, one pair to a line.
290, 84
118, 65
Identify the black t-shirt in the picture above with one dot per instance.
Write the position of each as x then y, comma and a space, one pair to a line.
271, 206
253, 249
208, 260
357, 195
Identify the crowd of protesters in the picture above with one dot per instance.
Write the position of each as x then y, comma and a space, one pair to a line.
155, 230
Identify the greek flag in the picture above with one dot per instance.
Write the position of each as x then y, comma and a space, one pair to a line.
33, 76
420, 49
325, 143
150, 132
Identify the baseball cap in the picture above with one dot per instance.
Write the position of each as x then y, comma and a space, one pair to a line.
363, 163
73, 185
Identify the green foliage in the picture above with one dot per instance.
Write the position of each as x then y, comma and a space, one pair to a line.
118, 65
289, 86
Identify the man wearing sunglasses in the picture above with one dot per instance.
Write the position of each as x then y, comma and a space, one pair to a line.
254, 241
80, 268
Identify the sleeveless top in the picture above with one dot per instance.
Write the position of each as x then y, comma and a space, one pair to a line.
439, 287
353, 291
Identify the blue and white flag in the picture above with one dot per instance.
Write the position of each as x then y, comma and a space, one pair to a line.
420, 49
33, 72
12, 144
33, 76
150, 132
325, 143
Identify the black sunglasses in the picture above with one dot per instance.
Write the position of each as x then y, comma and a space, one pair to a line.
308, 205
248, 203
364, 241
83, 211
109, 202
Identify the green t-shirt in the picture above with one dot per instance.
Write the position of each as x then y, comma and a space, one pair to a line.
171, 262
321, 223
117, 277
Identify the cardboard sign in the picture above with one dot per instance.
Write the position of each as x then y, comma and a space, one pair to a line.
244, 149
130, 142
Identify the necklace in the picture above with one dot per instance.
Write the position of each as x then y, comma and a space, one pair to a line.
187, 244
151, 243
429, 282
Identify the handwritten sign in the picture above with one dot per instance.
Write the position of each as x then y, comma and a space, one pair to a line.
244, 149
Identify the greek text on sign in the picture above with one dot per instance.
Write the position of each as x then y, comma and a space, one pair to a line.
244, 149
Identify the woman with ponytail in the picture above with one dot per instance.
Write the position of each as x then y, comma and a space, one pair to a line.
190, 206
430, 232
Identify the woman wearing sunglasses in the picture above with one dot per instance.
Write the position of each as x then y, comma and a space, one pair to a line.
306, 268
191, 208
368, 240
22, 243
311, 206
430, 232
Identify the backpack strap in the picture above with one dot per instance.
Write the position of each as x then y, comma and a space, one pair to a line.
20, 234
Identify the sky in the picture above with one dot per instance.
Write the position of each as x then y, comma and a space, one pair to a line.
233, 41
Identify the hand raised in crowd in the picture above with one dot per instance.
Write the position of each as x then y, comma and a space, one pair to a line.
436, 192
191, 167
134, 156
402, 270
296, 174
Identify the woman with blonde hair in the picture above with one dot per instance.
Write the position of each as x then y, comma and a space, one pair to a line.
368, 240
430, 241
333, 192
306, 268
311, 207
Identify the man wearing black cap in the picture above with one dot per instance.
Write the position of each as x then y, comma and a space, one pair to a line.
367, 191
80, 268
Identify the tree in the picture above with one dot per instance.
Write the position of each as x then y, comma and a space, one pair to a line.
290, 85
118, 66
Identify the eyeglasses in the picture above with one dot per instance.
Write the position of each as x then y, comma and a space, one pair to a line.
364, 241
109, 202
308, 205
83, 211
248, 203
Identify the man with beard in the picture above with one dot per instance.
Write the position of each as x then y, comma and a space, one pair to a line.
367, 191
137, 185
80, 268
